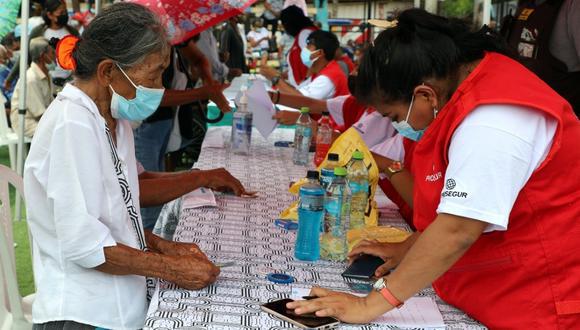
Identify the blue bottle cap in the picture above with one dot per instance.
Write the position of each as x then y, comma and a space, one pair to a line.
280, 278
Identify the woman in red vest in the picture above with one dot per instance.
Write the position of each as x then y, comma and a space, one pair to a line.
495, 180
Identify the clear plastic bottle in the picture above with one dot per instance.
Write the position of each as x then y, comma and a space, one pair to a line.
358, 182
310, 216
333, 244
302, 137
241, 136
323, 139
327, 172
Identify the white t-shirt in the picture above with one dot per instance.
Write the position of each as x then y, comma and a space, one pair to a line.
58, 72
372, 126
321, 88
75, 209
257, 35
302, 37
492, 154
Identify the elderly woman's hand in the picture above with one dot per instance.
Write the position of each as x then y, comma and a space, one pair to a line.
181, 249
220, 179
286, 117
191, 272
343, 306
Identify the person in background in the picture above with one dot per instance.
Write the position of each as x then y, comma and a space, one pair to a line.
259, 39
55, 25
301, 4
81, 185
38, 86
207, 44
546, 36
490, 201
344, 61
284, 44
271, 14
299, 27
232, 44
153, 134
12, 45
5, 67
325, 78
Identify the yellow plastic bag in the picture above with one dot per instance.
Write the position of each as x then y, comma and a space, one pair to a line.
347, 143
381, 234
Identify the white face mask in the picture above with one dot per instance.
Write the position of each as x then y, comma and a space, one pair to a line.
406, 130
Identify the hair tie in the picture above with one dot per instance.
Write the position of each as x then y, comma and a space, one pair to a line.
64, 52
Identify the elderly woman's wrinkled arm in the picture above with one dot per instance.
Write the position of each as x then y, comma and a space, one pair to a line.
188, 270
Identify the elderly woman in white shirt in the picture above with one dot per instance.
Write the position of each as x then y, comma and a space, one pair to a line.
81, 182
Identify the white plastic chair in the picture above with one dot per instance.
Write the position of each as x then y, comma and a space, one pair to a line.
15, 311
9, 137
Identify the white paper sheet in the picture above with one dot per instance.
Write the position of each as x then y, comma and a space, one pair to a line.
202, 197
261, 106
417, 312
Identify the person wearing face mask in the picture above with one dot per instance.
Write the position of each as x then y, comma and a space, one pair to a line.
55, 25
258, 38
325, 77
81, 182
495, 203
38, 86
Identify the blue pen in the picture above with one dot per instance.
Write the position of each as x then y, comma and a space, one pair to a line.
286, 224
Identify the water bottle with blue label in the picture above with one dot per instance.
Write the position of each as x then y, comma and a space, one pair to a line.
310, 216
358, 182
302, 137
333, 244
242, 126
327, 172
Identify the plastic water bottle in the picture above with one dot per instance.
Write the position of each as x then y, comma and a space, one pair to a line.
327, 172
302, 136
310, 216
358, 182
333, 244
323, 139
242, 126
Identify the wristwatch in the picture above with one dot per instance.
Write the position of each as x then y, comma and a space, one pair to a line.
394, 168
381, 286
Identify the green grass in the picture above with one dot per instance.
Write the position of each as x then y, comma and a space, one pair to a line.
22, 250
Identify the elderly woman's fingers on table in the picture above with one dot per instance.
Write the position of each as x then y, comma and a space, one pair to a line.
193, 273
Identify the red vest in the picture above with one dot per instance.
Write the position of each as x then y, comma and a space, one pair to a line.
527, 277
299, 70
333, 72
352, 111
386, 186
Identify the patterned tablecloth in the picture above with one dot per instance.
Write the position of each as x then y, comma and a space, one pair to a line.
242, 230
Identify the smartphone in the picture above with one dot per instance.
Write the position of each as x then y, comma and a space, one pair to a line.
284, 144
304, 321
363, 268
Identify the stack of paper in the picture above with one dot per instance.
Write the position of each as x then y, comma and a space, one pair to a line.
202, 197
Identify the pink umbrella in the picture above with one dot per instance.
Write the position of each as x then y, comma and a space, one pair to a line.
186, 18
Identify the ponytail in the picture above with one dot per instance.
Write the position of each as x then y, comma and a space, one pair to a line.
422, 45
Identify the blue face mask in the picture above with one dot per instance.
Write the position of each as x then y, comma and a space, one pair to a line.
405, 129
305, 57
144, 104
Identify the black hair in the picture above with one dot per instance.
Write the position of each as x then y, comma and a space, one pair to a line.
49, 7
8, 40
140, 35
422, 45
294, 21
326, 41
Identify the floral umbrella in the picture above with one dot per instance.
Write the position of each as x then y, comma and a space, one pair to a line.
8, 15
186, 18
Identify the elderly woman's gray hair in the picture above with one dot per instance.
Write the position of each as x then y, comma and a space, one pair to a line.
38, 46
125, 33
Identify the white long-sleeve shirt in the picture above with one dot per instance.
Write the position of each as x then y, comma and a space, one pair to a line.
75, 209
